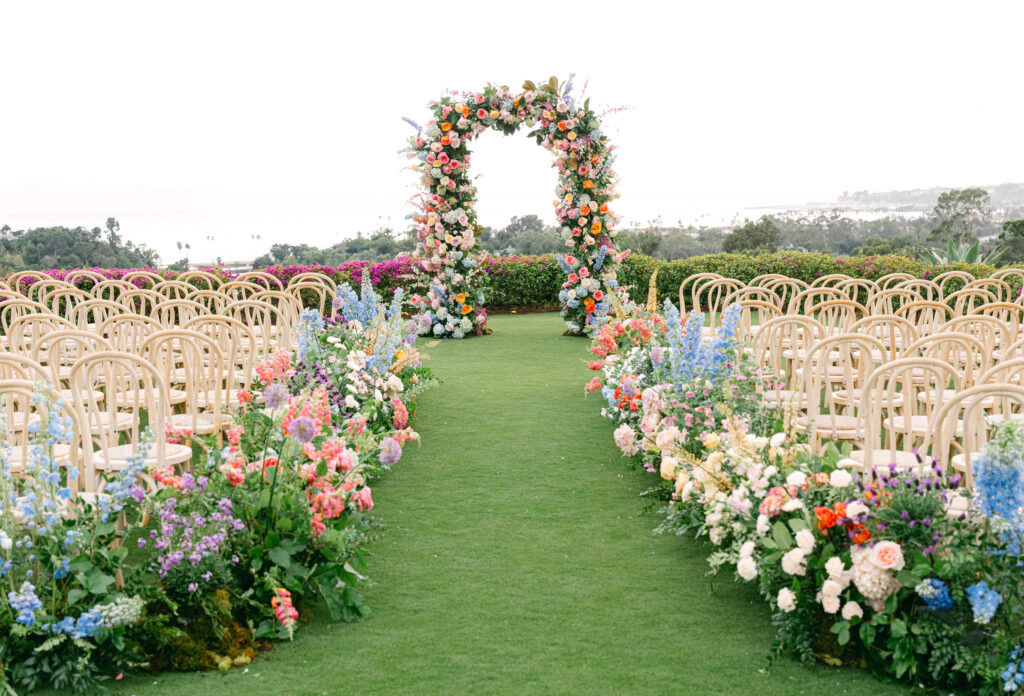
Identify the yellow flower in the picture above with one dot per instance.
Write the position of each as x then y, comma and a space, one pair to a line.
568, 198
571, 135
712, 440
495, 113
466, 309
596, 227
461, 297
446, 126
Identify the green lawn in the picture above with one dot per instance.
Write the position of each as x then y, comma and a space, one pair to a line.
516, 561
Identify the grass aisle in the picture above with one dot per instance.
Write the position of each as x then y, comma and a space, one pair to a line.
515, 561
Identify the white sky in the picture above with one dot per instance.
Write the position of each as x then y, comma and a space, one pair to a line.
191, 120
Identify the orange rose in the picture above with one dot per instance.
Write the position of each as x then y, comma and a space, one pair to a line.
827, 518
588, 304
861, 534
585, 210
466, 309
604, 208
446, 140
562, 125
446, 126
588, 184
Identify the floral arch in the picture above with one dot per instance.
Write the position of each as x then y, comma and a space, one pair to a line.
451, 304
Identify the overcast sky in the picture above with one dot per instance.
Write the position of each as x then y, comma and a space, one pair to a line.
191, 120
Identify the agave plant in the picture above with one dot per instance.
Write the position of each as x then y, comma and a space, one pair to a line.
960, 253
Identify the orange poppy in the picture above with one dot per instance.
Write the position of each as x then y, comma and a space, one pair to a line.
588, 184
466, 309
446, 126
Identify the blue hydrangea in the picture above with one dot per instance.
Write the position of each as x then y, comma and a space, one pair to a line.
935, 594
984, 601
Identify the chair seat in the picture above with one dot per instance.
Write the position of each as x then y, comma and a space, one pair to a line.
780, 396
840, 396
103, 421
205, 423
838, 427
116, 458
959, 461
904, 461
124, 399
919, 425
228, 398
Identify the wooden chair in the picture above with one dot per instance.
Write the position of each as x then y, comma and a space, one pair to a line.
830, 280
140, 301
891, 280
859, 290
888, 301
925, 289
951, 281
92, 313
126, 332
143, 279
28, 329
837, 316
899, 399
193, 361
926, 316
173, 289
214, 300
999, 288
262, 279
203, 280
836, 364
967, 300
813, 296
112, 289
779, 347
696, 283
896, 333
137, 385
238, 345
786, 289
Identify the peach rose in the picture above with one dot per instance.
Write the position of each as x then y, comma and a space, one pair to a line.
887, 555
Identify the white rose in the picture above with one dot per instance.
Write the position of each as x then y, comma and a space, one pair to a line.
797, 478
805, 540
792, 505
855, 509
786, 600
747, 550
794, 562
747, 568
777, 440
852, 609
831, 588
834, 567
762, 524
830, 604
840, 478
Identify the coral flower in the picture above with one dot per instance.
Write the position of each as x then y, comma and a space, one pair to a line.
589, 304
461, 297
604, 208
466, 309
446, 126
827, 518
585, 210
588, 184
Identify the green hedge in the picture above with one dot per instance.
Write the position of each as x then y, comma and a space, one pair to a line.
636, 270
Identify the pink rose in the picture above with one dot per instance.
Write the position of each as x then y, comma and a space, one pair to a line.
481, 113
887, 555
364, 501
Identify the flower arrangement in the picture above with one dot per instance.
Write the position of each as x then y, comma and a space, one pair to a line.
273, 519
872, 570
446, 221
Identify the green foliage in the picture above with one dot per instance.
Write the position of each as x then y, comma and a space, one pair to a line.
757, 237
960, 253
381, 244
959, 213
878, 246
65, 247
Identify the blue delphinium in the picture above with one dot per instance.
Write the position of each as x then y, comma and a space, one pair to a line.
311, 322
690, 358
935, 594
999, 482
602, 251
984, 601
26, 603
1013, 673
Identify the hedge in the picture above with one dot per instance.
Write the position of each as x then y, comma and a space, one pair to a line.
534, 281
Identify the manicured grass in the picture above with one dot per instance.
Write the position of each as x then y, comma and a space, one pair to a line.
516, 561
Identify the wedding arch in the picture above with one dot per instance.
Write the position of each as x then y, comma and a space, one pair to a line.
451, 304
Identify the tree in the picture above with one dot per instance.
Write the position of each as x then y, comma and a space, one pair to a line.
753, 237
1012, 238
959, 213
877, 246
